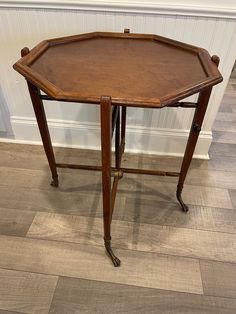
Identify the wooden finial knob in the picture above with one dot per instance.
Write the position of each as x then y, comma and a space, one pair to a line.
215, 59
126, 31
24, 51
105, 99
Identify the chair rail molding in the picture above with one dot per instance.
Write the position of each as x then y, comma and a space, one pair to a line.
208, 24
208, 8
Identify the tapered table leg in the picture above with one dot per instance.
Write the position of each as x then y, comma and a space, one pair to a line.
44, 132
106, 133
192, 141
200, 111
42, 124
117, 141
123, 126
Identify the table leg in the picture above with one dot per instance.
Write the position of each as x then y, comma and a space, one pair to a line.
42, 124
123, 127
117, 140
44, 131
192, 141
106, 132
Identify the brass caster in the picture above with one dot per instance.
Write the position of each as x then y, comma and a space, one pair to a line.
55, 182
182, 204
115, 260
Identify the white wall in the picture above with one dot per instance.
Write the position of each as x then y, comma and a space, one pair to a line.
165, 131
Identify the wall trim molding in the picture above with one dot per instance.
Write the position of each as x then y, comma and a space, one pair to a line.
65, 133
227, 9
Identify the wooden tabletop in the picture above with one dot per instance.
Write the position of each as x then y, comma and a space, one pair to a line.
134, 69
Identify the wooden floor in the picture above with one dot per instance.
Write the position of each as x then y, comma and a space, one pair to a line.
52, 257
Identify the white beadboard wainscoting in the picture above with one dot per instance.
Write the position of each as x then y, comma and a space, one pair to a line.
165, 131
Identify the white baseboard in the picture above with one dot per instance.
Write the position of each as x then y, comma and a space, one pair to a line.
168, 142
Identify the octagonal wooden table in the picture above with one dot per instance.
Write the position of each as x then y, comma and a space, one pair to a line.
116, 71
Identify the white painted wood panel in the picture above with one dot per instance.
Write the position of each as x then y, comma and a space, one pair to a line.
154, 131
209, 8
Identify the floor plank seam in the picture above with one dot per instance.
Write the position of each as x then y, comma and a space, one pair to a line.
134, 222
125, 249
119, 284
115, 283
50, 305
15, 312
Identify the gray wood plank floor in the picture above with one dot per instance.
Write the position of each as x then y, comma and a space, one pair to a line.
74, 295
26, 292
51, 249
